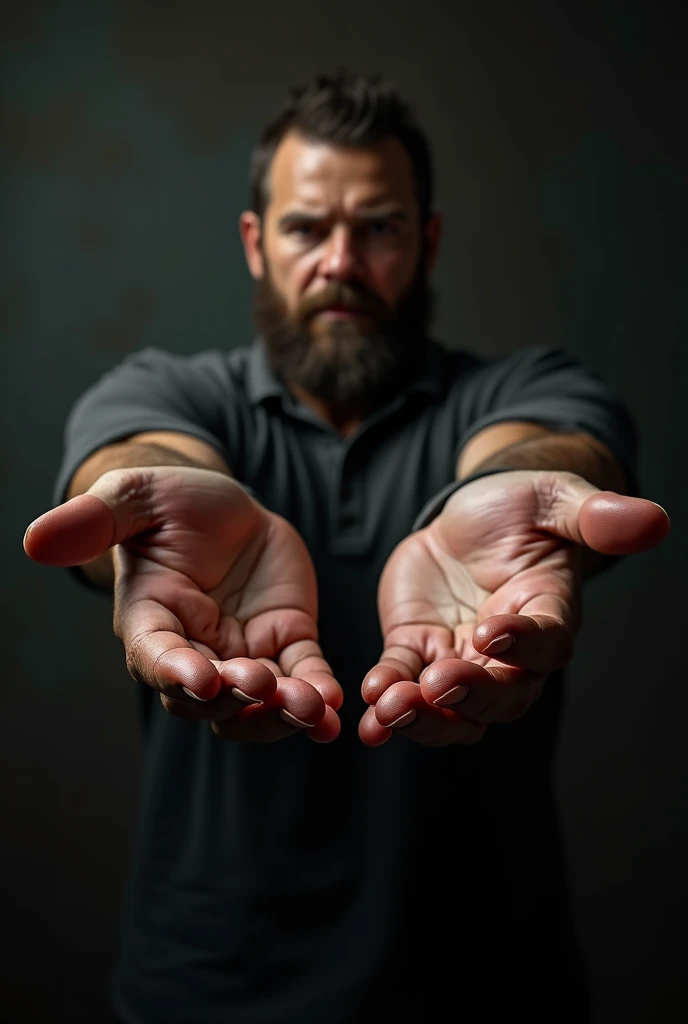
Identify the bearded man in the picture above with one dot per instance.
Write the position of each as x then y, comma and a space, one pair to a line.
347, 565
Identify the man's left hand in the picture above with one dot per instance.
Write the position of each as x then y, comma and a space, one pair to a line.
478, 608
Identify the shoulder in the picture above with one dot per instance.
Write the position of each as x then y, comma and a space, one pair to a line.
198, 377
466, 372
209, 364
531, 367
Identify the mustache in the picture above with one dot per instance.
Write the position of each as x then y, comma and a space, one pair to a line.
343, 296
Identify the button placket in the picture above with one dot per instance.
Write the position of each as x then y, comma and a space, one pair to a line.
346, 507
350, 510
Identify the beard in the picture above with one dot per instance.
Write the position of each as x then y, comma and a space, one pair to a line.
345, 364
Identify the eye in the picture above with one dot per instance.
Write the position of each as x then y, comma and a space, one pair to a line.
304, 230
381, 228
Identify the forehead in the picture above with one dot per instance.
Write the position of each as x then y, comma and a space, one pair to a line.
319, 173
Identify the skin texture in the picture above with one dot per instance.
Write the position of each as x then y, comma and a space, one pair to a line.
479, 607
215, 598
212, 593
338, 216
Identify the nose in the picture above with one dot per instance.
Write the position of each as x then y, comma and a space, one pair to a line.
339, 261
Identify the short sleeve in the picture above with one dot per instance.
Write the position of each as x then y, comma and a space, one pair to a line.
546, 385
149, 390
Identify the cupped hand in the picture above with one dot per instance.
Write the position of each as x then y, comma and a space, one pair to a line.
478, 608
215, 598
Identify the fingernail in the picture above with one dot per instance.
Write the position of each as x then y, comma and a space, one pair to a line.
452, 696
290, 719
192, 694
500, 644
404, 720
244, 697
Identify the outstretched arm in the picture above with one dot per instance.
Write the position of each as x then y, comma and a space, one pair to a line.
479, 606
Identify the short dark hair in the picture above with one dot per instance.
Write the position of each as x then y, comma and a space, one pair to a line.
348, 110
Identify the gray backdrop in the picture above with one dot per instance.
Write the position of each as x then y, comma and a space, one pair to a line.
125, 131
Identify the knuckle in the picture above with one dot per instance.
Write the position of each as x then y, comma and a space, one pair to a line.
132, 664
136, 657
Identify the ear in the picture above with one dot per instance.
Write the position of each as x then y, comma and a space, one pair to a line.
250, 231
433, 234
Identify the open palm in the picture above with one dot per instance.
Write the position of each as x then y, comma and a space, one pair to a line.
213, 594
478, 608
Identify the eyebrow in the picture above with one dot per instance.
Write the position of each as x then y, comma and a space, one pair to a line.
377, 213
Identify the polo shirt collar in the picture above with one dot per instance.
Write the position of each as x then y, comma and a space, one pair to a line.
261, 382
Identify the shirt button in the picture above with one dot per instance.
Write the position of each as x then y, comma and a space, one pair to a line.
347, 519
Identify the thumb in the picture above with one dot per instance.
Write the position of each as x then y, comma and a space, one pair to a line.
611, 523
113, 509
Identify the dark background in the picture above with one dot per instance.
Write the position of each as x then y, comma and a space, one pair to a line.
126, 130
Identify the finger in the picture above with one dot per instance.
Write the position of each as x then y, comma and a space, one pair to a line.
400, 661
370, 731
71, 534
396, 663
483, 695
379, 679
186, 707
538, 643
268, 729
327, 729
243, 682
158, 654
611, 523
304, 660
301, 704
403, 708
248, 680
116, 507
295, 707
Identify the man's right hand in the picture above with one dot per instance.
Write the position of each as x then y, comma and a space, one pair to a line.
213, 593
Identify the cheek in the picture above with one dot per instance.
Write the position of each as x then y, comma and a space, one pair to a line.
391, 273
290, 276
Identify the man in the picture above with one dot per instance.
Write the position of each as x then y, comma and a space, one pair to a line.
345, 504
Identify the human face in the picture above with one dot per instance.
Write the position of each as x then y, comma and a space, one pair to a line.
341, 260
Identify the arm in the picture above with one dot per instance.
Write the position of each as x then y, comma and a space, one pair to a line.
483, 600
521, 445
481, 605
215, 597
153, 448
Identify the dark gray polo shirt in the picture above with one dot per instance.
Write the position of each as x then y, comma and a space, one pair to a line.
308, 883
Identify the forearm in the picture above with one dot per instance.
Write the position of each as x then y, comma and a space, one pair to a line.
123, 455
573, 453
